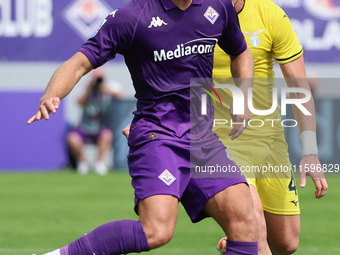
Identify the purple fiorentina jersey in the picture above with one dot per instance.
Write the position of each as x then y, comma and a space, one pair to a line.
164, 47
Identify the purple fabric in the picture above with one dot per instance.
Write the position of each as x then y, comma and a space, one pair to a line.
116, 237
163, 167
161, 64
163, 49
245, 248
89, 138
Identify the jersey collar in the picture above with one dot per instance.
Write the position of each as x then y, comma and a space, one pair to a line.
167, 4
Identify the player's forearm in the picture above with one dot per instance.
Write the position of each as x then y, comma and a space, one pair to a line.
305, 122
295, 75
242, 70
67, 76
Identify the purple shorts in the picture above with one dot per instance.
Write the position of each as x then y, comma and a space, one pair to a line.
170, 168
89, 138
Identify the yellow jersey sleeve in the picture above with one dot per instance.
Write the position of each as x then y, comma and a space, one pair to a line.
285, 43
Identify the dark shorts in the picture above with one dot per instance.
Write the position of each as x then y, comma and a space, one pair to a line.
168, 167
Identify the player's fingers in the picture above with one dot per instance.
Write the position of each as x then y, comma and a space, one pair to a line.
56, 102
38, 115
50, 106
44, 112
236, 131
318, 187
31, 120
324, 187
233, 132
302, 182
302, 178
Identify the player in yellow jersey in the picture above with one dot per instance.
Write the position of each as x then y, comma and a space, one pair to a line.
269, 34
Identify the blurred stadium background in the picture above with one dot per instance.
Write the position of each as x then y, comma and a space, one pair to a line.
36, 36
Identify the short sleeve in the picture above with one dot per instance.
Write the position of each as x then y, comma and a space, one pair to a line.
232, 40
113, 36
286, 46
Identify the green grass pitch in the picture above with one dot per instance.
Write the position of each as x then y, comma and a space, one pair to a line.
40, 212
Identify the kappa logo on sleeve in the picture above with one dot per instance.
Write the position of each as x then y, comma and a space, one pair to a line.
211, 15
167, 177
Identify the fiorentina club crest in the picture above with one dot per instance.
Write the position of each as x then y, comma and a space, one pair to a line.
211, 15
167, 177
84, 16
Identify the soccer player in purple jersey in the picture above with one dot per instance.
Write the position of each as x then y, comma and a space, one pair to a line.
165, 43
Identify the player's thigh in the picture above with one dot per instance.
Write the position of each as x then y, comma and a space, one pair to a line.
283, 232
158, 215
218, 173
159, 168
160, 173
232, 208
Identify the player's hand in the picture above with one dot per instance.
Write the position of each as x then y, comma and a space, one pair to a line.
242, 121
47, 105
126, 131
311, 166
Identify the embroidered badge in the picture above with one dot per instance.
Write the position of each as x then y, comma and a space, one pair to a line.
254, 39
167, 177
211, 15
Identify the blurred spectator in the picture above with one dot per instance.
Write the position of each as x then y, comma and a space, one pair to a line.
94, 126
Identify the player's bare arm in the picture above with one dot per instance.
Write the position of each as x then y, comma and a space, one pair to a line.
295, 75
242, 70
61, 84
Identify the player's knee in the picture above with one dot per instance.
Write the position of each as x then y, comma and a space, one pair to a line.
251, 221
163, 237
262, 232
244, 227
245, 224
285, 248
158, 234
262, 227
159, 238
